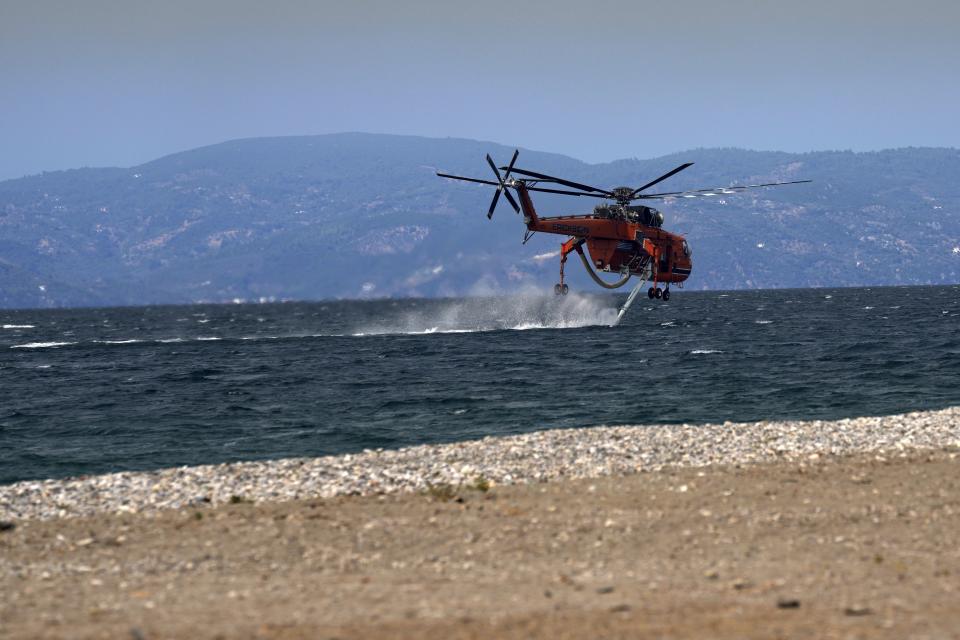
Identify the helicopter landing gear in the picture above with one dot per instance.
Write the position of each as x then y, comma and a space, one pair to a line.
561, 288
658, 293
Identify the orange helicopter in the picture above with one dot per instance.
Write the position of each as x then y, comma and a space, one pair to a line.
622, 238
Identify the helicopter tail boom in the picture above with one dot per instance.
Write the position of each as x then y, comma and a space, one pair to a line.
530, 217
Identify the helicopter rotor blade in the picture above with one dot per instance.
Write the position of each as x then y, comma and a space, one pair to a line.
510, 199
513, 161
506, 176
563, 192
567, 183
496, 196
717, 191
465, 179
501, 184
493, 166
500, 187
773, 184
660, 179
493, 203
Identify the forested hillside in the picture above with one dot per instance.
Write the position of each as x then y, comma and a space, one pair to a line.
363, 215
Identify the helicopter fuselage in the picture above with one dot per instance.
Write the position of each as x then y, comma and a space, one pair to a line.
618, 242
622, 237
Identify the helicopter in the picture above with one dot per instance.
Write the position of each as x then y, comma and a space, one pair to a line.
621, 237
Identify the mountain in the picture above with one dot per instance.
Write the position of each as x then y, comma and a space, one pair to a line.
363, 215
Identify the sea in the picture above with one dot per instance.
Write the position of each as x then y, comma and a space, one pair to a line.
89, 391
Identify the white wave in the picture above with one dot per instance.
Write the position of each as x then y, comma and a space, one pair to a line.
19, 326
130, 341
200, 338
527, 326
377, 332
763, 321
705, 351
514, 313
41, 345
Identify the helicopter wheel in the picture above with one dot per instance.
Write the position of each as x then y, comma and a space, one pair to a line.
564, 290
666, 294
658, 293
651, 294
557, 289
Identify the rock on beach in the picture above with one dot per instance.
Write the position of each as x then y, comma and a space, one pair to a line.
534, 457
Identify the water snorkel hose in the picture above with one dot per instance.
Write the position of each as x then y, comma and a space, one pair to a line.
596, 278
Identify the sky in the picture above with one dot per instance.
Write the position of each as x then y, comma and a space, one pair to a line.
118, 83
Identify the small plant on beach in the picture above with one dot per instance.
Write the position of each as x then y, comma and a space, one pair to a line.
239, 500
480, 483
444, 492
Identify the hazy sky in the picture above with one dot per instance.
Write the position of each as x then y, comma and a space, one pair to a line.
94, 83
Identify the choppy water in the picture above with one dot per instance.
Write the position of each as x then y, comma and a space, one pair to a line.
98, 390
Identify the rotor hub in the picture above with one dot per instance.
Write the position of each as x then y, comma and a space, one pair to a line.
623, 195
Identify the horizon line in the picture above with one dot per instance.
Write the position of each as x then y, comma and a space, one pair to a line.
476, 140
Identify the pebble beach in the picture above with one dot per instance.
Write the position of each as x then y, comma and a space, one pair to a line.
530, 458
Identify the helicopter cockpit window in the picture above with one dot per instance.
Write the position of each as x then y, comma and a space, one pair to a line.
686, 249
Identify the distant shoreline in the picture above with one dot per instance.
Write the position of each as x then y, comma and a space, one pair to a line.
546, 292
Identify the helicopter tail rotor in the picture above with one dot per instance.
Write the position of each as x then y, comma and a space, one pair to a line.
502, 184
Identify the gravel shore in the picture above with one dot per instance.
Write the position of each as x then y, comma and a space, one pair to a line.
534, 457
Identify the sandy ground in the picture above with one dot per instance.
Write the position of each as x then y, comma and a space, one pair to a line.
857, 547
